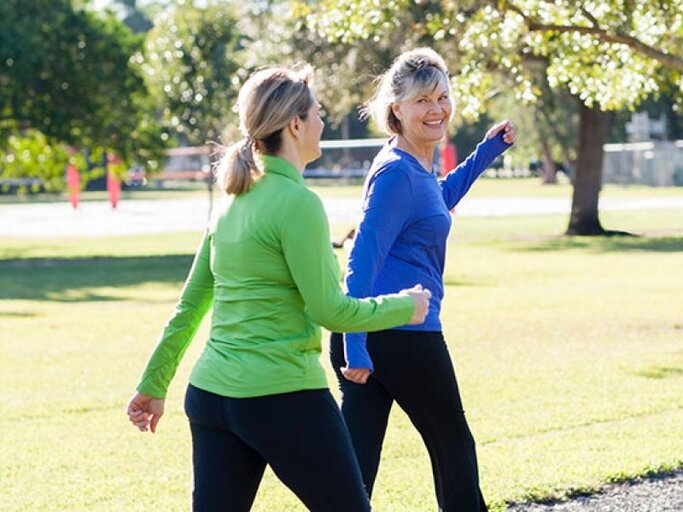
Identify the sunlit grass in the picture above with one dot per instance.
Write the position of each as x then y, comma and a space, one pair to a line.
568, 351
485, 187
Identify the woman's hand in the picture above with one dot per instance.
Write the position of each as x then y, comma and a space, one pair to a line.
145, 411
421, 298
508, 129
357, 375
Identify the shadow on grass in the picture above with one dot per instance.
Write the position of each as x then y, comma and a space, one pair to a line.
608, 244
10, 254
17, 314
452, 281
660, 372
81, 279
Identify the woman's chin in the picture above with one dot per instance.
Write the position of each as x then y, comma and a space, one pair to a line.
438, 134
433, 138
313, 156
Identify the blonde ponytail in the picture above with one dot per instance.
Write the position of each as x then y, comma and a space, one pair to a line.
267, 102
237, 170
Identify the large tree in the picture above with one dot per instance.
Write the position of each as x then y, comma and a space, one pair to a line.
610, 54
68, 73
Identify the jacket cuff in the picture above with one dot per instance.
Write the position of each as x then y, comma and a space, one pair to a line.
356, 352
496, 145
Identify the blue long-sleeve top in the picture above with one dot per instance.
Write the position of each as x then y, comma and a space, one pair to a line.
401, 239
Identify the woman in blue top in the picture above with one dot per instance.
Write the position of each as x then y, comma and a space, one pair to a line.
401, 240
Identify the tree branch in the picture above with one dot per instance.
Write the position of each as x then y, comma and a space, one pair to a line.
590, 17
668, 60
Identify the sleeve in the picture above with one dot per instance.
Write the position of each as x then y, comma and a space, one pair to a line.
387, 210
315, 271
457, 182
195, 300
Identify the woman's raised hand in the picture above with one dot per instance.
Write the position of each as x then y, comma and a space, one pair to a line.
508, 129
421, 298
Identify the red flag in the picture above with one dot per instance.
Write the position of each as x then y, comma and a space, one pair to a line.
449, 157
73, 183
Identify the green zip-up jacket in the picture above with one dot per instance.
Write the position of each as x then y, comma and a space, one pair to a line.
267, 267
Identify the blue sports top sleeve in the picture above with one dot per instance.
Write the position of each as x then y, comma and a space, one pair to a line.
387, 209
457, 182
402, 236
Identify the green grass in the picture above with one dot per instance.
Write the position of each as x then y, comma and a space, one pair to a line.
524, 187
568, 351
120, 246
192, 190
532, 187
485, 187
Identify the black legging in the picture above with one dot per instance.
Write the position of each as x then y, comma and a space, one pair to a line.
301, 435
415, 369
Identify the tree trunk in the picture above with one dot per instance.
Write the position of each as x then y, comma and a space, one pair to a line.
549, 168
588, 173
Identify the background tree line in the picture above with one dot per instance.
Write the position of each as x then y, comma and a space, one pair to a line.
77, 82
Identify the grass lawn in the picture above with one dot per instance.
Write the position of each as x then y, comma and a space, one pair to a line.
568, 351
522, 187
485, 187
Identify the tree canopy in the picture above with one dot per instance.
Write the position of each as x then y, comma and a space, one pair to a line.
191, 59
609, 53
67, 74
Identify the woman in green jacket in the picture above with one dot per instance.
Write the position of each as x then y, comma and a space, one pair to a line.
258, 394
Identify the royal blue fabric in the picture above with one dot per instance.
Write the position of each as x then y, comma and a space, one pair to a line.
401, 239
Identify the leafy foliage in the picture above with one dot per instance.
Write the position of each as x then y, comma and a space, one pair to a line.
68, 74
190, 60
611, 54
30, 155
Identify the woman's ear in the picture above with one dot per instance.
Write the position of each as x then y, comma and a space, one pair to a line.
294, 126
396, 109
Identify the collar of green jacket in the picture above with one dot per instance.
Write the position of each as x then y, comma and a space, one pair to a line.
283, 167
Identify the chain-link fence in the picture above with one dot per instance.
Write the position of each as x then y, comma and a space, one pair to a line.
657, 164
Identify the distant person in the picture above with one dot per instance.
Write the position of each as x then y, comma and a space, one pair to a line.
401, 241
258, 393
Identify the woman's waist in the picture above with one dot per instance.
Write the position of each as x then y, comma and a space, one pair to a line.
265, 369
393, 281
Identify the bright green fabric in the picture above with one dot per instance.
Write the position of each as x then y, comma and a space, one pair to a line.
267, 266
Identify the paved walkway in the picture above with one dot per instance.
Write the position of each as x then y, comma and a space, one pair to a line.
167, 215
663, 493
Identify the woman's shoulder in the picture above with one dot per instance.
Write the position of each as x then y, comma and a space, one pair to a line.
389, 180
303, 199
389, 162
283, 192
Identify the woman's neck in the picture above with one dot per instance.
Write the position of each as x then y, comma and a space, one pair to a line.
424, 153
289, 153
